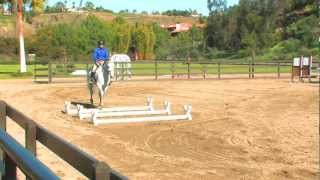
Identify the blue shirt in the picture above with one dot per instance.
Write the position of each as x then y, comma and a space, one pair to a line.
100, 54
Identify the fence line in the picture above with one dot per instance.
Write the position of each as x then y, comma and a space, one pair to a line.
83, 162
175, 69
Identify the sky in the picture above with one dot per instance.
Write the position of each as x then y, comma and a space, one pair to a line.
148, 5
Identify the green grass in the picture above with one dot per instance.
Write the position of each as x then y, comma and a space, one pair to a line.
8, 71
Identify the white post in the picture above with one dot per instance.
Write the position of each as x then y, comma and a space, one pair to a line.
23, 65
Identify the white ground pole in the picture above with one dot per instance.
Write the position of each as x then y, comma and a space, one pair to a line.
150, 111
75, 110
187, 116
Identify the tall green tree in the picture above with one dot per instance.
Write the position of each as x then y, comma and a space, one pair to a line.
144, 40
217, 5
123, 33
89, 6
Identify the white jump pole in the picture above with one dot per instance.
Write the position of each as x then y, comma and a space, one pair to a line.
186, 116
69, 110
87, 113
75, 111
99, 113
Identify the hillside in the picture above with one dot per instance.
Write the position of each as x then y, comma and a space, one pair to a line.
7, 23
7, 27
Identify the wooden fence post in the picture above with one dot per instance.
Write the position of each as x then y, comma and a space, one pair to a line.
278, 70
10, 168
122, 71
35, 71
30, 138
116, 70
249, 70
3, 115
189, 70
3, 126
173, 69
156, 70
219, 70
204, 69
292, 77
102, 171
49, 72
253, 65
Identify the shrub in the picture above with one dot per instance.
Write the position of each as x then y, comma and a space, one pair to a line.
8, 46
19, 74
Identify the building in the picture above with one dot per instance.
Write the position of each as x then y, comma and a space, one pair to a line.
177, 28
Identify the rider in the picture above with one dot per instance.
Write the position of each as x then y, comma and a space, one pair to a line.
100, 56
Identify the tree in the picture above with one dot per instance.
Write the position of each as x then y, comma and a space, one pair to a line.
217, 5
144, 12
60, 6
144, 40
37, 6
175, 12
162, 37
122, 35
89, 6
214, 31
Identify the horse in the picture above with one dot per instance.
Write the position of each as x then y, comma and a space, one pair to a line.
102, 80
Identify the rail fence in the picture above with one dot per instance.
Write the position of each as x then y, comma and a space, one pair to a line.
14, 155
157, 70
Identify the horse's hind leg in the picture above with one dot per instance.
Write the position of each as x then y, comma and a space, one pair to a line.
100, 98
91, 93
91, 100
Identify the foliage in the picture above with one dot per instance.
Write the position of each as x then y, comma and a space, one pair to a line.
176, 12
57, 7
76, 41
144, 40
267, 29
37, 6
89, 6
101, 9
181, 47
8, 46
277, 28
216, 5
122, 36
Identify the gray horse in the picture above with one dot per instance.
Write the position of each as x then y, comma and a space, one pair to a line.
102, 80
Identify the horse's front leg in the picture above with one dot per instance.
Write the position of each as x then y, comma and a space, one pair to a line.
90, 86
100, 98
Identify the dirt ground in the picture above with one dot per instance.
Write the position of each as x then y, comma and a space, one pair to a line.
241, 129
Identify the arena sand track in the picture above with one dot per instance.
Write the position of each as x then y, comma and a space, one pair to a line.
242, 129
